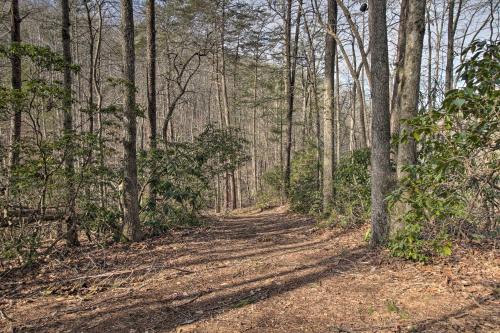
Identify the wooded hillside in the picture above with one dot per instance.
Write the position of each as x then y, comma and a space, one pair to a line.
124, 121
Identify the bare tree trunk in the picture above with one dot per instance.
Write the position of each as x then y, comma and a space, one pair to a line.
71, 232
90, 102
15, 60
254, 125
217, 196
381, 128
430, 92
151, 65
410, 89
97, 86
225, 99
131, 224
230, 179
407, 151
314, 104
352, 137
337, 111
398, 76
291, 66
329, 110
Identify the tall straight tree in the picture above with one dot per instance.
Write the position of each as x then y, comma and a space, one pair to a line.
381, 128
71, 232
291, 70
410, 82
151, 41
15, 60
131, 224
229, 177
329, 111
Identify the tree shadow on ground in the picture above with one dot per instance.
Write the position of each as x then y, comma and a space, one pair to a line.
141, 313
476, 317
234, 233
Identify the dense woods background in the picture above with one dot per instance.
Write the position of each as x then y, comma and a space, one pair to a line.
119, 120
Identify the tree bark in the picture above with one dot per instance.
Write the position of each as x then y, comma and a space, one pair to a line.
381, 131
71, 231
16, 82
151, 89
254, 125
409, 95
131, 224
398, 76
90, 101
291, 66
329, 110
314, 104
407, 150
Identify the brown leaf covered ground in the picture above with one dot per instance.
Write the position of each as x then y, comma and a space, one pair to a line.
253, 272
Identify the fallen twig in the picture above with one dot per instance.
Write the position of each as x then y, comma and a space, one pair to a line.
5, 317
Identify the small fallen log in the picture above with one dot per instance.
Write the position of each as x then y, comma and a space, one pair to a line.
13, 217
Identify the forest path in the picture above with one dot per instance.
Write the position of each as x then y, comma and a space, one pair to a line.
253, 272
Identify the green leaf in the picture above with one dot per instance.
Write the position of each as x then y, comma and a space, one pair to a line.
459, 102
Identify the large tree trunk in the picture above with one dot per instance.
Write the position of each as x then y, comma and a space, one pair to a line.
313, 103
131, 224
151, 59
329, 110
71, 232
409, 94
291, 66
381, 131
407, 151
15, 60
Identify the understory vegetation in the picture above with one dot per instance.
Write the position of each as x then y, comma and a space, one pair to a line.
451, 194
182, 172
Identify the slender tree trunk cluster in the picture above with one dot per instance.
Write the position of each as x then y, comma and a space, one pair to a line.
219, 63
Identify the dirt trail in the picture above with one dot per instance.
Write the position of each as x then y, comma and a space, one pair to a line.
258, 272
